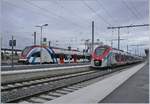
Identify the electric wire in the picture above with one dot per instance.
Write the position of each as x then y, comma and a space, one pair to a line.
100, 3
51, 13
136, 10
69, 11
130, 9
91, 9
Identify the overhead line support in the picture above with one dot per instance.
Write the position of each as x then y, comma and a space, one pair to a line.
128, 26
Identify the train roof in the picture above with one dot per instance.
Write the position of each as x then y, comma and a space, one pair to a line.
54, 48
61, 50
119, 51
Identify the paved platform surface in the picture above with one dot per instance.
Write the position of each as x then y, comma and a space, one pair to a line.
38, 66
96, 92
134, 90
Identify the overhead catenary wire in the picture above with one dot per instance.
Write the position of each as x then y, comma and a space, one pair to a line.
91, 9
68, 10
100, 3
135, 9
130, 9
18, 7
51, 13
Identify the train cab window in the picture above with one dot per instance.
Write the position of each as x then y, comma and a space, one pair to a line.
37, 54
26, 50
99, 51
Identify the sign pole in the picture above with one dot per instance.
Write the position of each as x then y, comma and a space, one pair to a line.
12, 61
34, 38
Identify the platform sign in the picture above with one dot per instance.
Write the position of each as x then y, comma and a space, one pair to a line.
69, 48
12, 43
44, 42
44, 39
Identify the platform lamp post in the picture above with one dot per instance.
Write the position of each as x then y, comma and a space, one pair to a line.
41, 27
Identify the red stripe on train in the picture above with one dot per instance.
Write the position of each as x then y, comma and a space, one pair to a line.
105, 53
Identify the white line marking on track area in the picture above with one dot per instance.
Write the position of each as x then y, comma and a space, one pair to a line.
96, 92
41, 69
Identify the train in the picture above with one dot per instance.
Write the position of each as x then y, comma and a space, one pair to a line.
36, 54
105, 56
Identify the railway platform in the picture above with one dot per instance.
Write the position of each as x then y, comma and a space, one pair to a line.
129, 86
38, 66
134, 90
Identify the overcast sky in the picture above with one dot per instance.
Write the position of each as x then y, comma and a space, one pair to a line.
69, 21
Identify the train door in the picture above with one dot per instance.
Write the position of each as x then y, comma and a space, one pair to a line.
35, 58
46, 56
61, 59
75, 58
109, 59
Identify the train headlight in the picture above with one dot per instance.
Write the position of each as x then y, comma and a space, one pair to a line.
97, 63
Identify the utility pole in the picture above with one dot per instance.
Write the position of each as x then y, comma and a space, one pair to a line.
92, 36
114, 40
12, 52
119, 27
34, 38
111, 43
118, 38
49, 43
127, 48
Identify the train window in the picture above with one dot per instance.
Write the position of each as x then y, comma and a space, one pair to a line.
99, 51
116, 56
122, 57
37, 54
65, 57
25, 51
56, 55
53, 55
77, 57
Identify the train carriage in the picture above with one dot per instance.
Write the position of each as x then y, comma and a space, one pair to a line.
36, 54
106, 56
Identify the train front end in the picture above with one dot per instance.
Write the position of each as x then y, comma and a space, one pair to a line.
100, 57
23, 57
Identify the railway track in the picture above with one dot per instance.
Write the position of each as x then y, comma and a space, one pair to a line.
49, 88
12, 86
